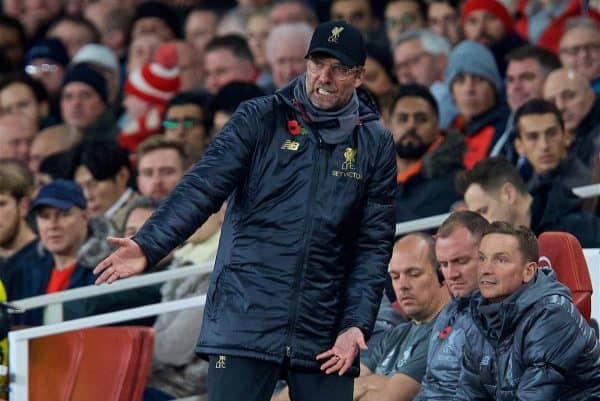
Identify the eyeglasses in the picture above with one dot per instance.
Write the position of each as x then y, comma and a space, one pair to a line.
587, 47
403, 22
34, 69
339, 72
187, 123
410, 62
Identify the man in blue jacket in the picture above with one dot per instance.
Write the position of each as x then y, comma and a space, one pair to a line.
528, 342
309, 176
457, 253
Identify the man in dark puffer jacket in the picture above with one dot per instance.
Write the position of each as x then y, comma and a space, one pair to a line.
309, 175
529, 341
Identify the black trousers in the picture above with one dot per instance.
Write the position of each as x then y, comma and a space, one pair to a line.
246, 379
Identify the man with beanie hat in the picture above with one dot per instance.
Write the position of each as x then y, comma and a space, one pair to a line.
489, 23
476, 87
46, 61
147, 91
106, 62
83, 102
309, 175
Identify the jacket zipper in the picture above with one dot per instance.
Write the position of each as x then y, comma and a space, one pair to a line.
307, 232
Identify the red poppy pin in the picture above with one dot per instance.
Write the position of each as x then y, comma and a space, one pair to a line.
445, 333
293, 127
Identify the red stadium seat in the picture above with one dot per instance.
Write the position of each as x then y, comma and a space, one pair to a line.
563, 253
97, 364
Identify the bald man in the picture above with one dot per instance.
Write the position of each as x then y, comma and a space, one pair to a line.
16, 134
49, 141
580, 108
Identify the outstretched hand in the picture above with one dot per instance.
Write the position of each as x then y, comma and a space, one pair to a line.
127, 260
340, 357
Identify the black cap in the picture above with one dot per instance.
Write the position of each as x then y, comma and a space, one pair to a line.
50, 48
86, 74
340, 40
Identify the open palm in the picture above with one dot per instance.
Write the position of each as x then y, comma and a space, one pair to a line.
126, 261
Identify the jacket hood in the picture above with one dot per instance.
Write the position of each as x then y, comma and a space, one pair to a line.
367, 109
446, 157
498, 321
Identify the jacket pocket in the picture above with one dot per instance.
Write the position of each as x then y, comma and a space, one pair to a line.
214, 294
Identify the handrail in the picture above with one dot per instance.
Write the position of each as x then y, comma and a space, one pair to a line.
587, 191
120, 285
19, 340
425, 223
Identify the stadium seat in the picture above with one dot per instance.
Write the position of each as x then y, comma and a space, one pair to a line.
562, 252
97, 364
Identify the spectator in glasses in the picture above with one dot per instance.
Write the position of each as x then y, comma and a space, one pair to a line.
187, 120
443, 19
401, 16
580, 49
46, 61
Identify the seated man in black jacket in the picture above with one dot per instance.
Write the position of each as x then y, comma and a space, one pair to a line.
529, 341
427, 159
495, 189
544, 142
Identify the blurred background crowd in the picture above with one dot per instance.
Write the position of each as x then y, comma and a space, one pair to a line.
493, 106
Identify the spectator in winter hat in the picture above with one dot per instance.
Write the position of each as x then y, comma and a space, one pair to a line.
147, 91
105, 61
489, 23
46, 61
84, 97
476, 87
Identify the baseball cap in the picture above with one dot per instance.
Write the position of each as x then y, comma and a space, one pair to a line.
60, 194
340, 40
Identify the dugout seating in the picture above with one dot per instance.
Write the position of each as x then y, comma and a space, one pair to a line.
96, 364
562, 252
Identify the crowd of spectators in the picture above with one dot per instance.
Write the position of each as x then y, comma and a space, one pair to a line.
494, 107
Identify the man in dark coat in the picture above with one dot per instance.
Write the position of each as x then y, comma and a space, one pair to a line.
495, 189
427, 159
309, 175
529, 341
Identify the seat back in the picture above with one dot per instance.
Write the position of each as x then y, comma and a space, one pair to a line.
113, 365
53, 364
562, 252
